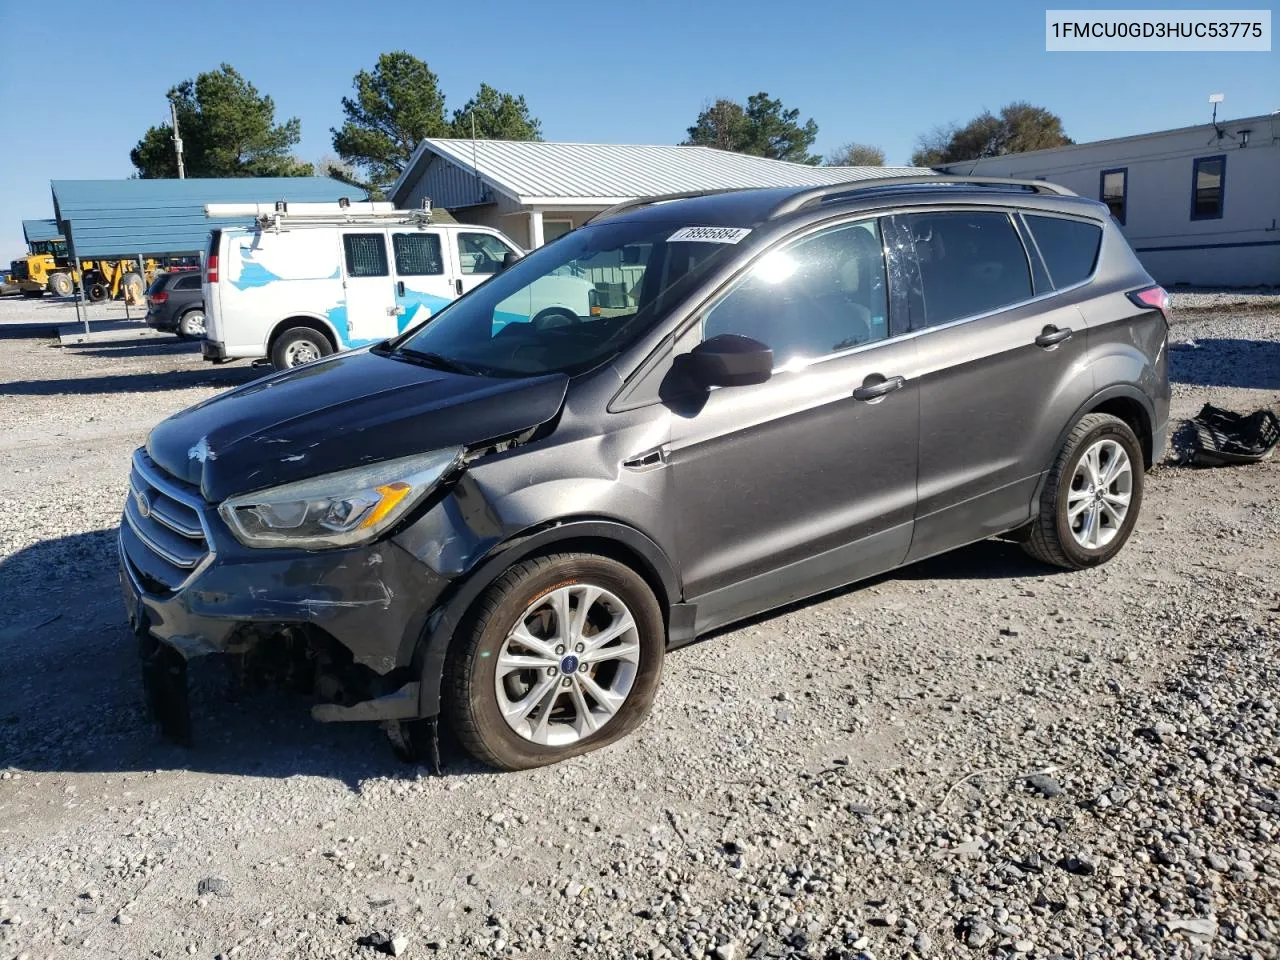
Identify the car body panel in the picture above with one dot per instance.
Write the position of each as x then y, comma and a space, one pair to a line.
729, 501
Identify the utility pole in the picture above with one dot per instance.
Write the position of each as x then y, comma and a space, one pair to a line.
177, 139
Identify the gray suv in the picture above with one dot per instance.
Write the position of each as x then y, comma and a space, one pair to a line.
506, 516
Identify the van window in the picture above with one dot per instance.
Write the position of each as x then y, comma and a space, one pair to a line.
1069, 247
366, 254
418, 254
970, 263
480, 252
818, 296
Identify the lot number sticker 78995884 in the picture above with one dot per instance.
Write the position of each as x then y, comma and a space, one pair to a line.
709, 234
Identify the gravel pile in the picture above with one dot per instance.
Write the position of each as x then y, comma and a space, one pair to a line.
976, 757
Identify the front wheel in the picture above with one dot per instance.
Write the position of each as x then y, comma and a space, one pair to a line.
60, 285
299, 345
1092, 496
563, 655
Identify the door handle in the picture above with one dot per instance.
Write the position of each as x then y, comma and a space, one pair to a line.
457, 285
1051, 336
399, 288
876, 387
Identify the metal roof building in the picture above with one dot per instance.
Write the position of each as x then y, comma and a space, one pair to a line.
535, 191
34, 231
117, 218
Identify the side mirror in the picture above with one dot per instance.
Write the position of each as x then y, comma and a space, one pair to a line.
509, 258
729, 360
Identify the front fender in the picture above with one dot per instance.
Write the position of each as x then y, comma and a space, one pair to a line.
431, 647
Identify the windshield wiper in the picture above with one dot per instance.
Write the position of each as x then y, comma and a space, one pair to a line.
437, 361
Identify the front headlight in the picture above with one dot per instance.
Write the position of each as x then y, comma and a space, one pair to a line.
337, 509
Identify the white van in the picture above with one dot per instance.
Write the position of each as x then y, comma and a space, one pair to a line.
309, 279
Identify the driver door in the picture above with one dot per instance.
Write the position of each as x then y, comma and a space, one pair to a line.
480, 256
804, 482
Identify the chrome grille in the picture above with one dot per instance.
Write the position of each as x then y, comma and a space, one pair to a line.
163, 536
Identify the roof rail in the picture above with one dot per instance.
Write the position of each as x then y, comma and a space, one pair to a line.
638, 202
283, 214
804, 197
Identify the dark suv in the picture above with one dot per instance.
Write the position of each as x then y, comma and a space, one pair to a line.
508, 520
176, 304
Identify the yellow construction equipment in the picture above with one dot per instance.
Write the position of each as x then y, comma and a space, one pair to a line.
47, 267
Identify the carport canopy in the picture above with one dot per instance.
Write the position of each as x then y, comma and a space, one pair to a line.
37, 230
123, 218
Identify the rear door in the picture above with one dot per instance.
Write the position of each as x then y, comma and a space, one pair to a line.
422, 277
999, 360
370, 308
480, 256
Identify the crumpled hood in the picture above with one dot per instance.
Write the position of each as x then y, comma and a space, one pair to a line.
342, 412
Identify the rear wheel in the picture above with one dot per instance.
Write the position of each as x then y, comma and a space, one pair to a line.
60, 285
1092, 496
191, 325
96, 292
299, 345
132, 287
563, 655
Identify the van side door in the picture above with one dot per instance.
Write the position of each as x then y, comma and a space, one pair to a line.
422, 276
369, 312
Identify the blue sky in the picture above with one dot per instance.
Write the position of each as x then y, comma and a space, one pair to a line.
881, 73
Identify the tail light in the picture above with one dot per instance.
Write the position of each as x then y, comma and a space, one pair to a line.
211, 269
1153, 298
160, 297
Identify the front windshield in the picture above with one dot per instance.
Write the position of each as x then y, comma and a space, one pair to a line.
572, 304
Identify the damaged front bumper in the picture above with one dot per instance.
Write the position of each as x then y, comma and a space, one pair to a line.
345, 623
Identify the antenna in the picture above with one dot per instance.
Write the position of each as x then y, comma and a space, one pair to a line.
1215, 99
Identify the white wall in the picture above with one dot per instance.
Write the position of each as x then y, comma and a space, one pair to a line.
1240, 249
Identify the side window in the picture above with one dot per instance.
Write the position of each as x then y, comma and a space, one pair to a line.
970, 263
418, 254
1069, 247
1208, 176
1113, 190
366, 254
814, 297
480, 252
188, 283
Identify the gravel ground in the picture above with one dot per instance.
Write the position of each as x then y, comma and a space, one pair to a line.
974, 757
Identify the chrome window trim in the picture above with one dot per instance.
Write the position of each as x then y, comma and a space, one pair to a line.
699, 314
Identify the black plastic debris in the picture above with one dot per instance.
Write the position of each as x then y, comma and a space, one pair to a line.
1224, 438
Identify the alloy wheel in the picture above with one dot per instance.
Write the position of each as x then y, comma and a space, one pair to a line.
1100, 492
567, 665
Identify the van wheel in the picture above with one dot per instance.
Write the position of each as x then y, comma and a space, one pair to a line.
191, 325
562, 655
1092, 496
299, 345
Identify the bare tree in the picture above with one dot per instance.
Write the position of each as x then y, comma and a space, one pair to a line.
855, 154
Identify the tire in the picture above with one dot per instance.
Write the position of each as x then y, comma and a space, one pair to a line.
299, 345
1076, 527
555, 317
191, 325
132, 287
60, 285
626, 669
96, 292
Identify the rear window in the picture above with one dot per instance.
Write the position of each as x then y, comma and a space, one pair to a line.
1069, 247
970, 263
